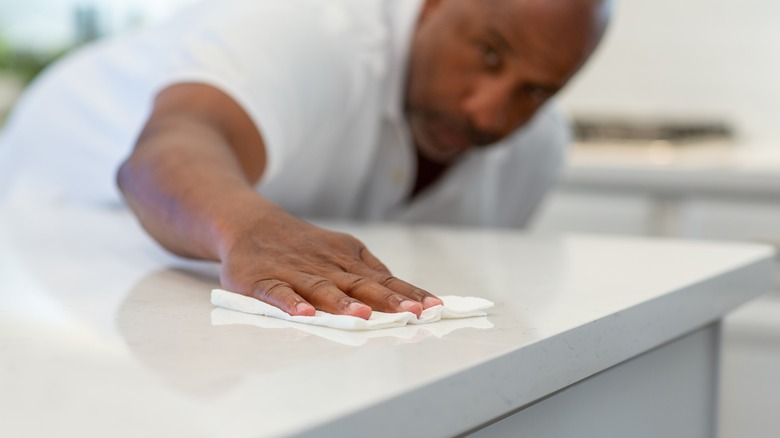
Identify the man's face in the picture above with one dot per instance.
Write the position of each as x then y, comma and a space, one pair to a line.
479, 69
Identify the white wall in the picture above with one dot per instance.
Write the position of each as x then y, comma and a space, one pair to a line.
665, 58
689, 57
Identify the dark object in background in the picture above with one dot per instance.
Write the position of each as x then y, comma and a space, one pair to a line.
640, 131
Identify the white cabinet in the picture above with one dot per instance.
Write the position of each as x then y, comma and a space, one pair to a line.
734, 199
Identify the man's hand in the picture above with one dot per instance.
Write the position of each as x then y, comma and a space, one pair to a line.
190, 182
298, 267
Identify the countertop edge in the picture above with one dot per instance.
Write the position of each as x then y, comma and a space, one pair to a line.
490, 390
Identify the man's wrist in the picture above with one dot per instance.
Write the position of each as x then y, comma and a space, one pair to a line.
239, 217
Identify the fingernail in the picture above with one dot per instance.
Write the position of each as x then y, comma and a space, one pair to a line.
411, 306
359, 309
432, 301
353, 306
304, 309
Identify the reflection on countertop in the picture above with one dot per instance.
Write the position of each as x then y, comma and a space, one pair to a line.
162, 312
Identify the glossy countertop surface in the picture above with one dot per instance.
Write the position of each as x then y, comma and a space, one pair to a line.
718, 168
104, 334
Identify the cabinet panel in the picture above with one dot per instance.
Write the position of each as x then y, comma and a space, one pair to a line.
591, 212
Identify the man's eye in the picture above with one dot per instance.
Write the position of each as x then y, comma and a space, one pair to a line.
490, 57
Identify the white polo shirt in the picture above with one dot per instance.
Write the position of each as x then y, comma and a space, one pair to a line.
322, 80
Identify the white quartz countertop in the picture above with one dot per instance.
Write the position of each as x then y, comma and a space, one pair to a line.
104, 334
736, 169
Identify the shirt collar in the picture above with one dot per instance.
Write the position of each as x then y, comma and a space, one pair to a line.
402, 19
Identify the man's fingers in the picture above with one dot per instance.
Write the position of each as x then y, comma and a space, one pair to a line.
422, 296
363, 284
325, 295
375, 295
385, 278
425, 298
280, 294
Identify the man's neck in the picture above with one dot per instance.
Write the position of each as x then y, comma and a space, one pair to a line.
428, 172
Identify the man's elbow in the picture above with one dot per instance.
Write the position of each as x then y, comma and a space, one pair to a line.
124, 177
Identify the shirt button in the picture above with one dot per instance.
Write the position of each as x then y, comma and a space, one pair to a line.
399, 176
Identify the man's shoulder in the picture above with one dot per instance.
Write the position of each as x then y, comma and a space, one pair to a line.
299, 27
330, 14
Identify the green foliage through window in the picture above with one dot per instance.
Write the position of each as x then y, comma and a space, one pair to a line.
24, 64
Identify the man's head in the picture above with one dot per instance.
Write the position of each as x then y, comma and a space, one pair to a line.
479, 69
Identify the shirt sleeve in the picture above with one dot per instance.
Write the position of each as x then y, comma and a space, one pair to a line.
290, 65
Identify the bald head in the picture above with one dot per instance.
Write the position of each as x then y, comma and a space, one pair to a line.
571, 26
481, 68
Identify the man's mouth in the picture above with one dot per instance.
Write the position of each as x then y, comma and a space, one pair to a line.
444, 136
448, 137
455, 136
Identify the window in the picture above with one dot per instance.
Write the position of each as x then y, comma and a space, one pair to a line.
33, 33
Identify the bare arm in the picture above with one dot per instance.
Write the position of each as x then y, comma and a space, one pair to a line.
190, 182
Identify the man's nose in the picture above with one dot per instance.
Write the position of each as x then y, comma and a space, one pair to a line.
489, 107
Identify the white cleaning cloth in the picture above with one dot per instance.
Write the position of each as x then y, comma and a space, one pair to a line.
454, 307
407, 334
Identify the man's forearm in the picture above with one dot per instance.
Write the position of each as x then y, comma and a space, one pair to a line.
190, 182
185, 185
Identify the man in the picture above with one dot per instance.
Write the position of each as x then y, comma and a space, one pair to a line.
359, 109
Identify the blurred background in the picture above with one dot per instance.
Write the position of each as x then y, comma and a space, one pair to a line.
677, 121
33, 33
678, 135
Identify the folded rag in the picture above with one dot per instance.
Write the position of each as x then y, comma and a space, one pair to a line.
454, 307
407, 334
